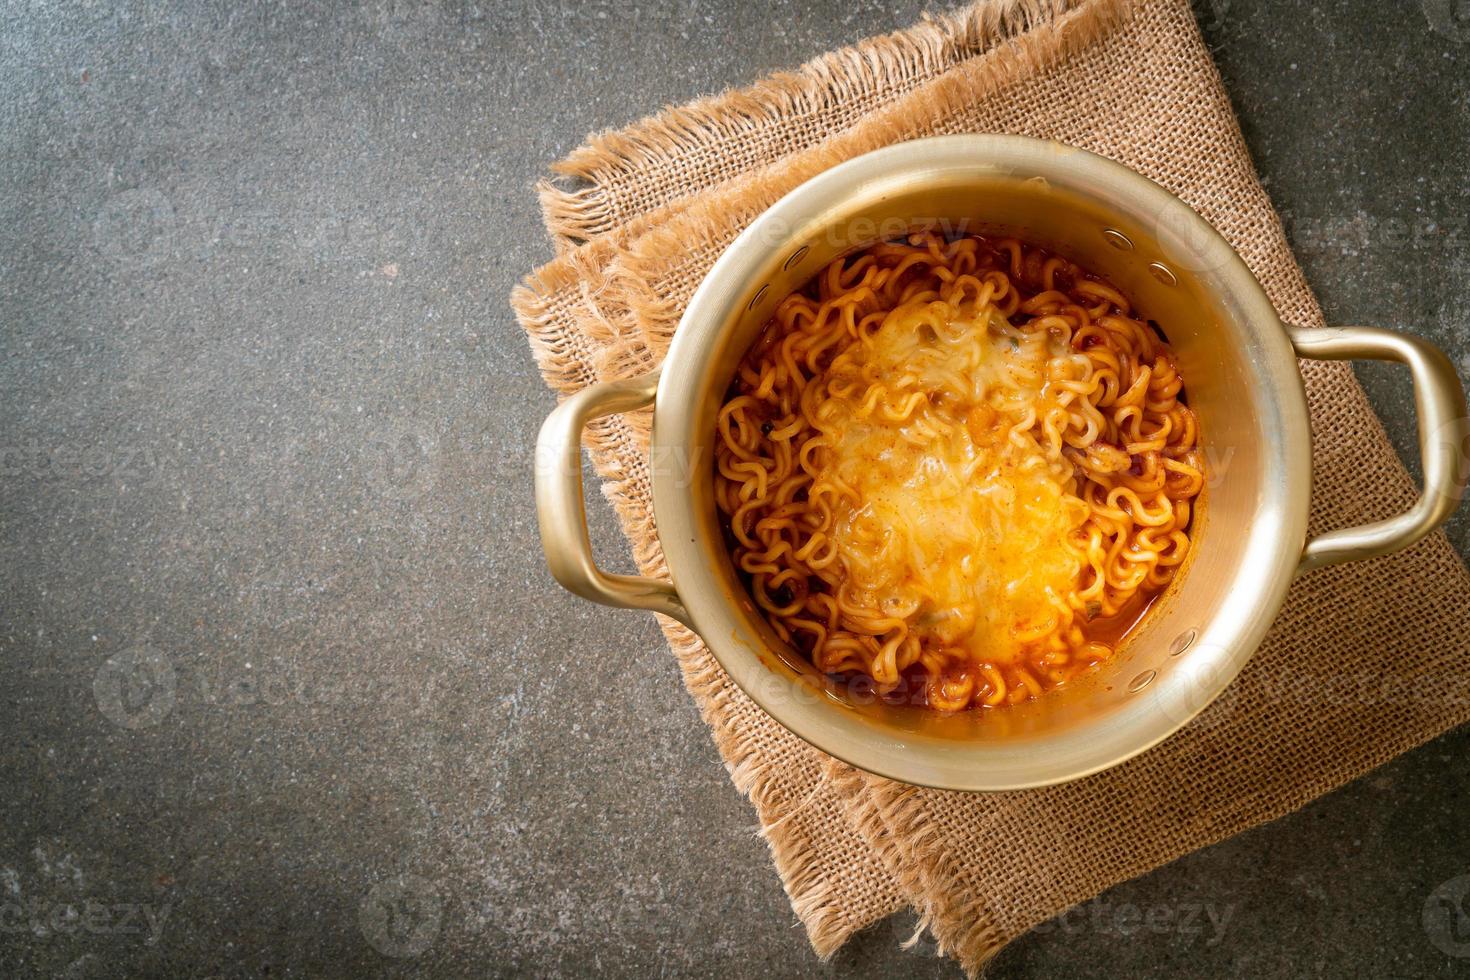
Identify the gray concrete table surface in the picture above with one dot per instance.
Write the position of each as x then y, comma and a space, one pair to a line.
268, 431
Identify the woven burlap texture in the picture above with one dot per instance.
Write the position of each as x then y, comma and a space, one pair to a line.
1132, 80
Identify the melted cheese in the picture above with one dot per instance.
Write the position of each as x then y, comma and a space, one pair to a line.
951, 514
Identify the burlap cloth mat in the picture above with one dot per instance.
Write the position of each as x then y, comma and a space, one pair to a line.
1366, 661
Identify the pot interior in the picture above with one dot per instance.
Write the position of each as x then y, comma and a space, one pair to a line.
1240, 379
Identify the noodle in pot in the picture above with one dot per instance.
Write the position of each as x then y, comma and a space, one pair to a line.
960, 468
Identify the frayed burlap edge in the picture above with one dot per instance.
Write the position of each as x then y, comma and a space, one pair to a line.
705, 133
828, 923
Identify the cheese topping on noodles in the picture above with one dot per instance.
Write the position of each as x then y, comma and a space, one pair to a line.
948, 509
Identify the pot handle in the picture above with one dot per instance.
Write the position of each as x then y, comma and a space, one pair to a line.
563, 516
1444, 435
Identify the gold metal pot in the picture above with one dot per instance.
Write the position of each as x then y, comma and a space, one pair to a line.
1239, 362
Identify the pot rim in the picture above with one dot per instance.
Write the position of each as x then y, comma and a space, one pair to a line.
1147, 721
